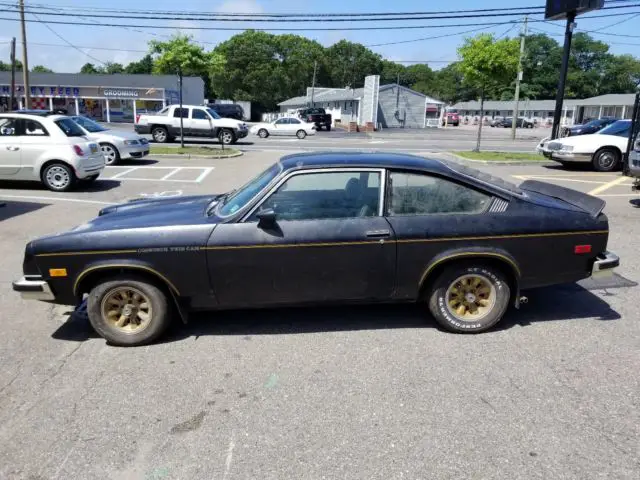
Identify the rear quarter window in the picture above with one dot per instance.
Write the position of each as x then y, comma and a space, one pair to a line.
69, 127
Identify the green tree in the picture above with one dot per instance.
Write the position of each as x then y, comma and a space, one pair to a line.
41, 69
89, 68
6, 67
540, 67
111, 68
587, 64
142, 66
621, 75
420, 78
348, 63
485, 64
179, 56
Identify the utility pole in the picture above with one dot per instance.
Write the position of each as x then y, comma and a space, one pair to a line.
25, 63
568, 35
12, 97
514, 123
313, 82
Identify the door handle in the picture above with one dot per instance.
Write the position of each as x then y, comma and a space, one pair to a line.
12, 148
378, 233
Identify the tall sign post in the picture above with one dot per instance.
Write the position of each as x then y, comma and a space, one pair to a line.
561, 10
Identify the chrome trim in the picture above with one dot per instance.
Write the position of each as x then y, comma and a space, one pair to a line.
383, 191
31, 289
272, 190
604, 264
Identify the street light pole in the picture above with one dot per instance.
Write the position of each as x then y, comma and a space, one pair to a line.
181, 109
313, 83
12, 97
518, 80
568, 34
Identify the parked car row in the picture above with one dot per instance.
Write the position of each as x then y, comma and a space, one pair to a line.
507, 122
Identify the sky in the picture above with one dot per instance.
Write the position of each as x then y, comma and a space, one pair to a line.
45, 48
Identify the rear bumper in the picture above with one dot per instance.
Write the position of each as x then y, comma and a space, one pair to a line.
604, 264
90, 166
33, 288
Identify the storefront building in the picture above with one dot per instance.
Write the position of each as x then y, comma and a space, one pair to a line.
106, 98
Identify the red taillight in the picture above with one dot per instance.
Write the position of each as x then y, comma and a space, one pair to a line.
78, 150
579, 249
137, 118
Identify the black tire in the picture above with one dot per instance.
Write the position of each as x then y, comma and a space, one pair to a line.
227, 137
328, 128
58, 177
606, 160
263, 133
301, 134
160, 134
441, 297
159, 313
111, 154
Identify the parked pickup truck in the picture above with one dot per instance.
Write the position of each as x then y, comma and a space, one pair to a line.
198, 121
316, 116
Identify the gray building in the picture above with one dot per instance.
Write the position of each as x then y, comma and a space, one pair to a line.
573, 111
109, 98
386, 106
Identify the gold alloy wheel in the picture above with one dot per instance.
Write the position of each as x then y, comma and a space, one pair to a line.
126, 309
470, 297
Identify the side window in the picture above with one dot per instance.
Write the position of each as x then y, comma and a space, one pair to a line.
34, 128
282, 121
8, 127
323, 195
294, 121
198, 114
184, 112
417, 194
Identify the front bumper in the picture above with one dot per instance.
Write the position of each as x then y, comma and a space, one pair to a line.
604, 264
242, 133
32, 287
134, 151
566, 157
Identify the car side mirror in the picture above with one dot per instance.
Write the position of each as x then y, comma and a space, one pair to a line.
266, 218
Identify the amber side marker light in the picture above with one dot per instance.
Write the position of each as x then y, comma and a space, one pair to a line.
58, 272
579, 249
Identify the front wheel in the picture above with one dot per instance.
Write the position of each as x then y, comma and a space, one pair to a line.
128, 310
606, 160
301, 134
160, 135
111, 153
227, 137
58, 177
328, 128
469, 298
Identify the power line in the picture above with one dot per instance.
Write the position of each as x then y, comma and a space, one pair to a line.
551, 34
616, 23
433, 36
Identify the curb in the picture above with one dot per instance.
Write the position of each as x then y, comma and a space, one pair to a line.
189, 156
514, 163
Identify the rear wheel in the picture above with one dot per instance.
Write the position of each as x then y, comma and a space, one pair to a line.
469, 297
58, 177
606, 160
328, 128
301, 134
263, 133
128, 310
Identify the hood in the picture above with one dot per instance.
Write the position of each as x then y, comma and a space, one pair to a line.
110, 134
186, 210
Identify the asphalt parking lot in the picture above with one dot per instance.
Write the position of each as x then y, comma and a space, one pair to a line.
358, 392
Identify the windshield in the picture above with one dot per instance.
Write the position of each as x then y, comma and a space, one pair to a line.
621, 128
88, 124
243, 195
70, 128
213, 113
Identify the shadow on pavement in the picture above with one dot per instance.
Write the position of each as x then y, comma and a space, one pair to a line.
566, 302
14, 209
98, 185
133, 162
570, 167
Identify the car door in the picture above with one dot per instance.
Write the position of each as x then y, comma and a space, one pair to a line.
35, 141
426, 212
175, 122
200, 123
329, 242
10, 146
293, 126
280, 127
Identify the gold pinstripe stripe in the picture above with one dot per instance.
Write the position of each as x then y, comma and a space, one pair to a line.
468, 254
333, 244
122, 265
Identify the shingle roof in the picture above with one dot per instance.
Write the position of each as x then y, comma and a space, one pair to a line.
325, 95
609, 99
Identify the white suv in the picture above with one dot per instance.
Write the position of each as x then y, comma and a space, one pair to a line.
52, 149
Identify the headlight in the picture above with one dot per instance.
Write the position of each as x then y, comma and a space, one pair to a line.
566, 148
131, 142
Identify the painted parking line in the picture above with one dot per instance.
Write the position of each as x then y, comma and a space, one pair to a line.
607, 186
157, 174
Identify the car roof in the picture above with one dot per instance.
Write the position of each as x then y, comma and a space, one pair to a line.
396, 161
28, 116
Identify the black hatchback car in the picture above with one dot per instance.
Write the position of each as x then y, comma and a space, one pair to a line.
325, 228
228, 110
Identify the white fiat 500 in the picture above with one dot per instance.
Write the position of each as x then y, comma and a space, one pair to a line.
116, 145
51, 149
